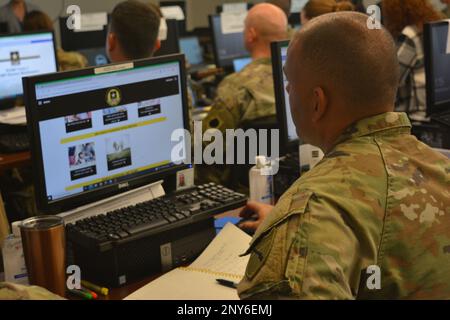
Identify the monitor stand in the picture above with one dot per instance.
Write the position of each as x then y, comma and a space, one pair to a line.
142, 194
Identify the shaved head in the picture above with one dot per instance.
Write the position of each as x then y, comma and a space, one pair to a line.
340, 49
284, 5
264, 24
337, 62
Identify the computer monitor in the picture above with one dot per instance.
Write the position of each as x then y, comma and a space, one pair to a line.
98, 132
22, 55
437, 66
288, 132
89, 43
241, 63
191, 48
227, 47
181, 23
172, 44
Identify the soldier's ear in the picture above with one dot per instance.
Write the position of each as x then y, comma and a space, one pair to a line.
252, 34
320, 104
111, 42
157, 45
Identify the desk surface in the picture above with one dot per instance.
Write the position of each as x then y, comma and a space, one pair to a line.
14, 160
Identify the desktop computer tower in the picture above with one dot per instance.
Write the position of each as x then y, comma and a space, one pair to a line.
136, 259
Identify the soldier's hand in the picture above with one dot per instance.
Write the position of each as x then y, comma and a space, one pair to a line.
253, 214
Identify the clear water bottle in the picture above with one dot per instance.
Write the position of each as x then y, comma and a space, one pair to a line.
261, 181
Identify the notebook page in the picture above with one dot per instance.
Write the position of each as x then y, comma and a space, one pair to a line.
222, 254
198, 281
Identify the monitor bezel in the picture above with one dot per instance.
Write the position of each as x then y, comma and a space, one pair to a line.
432, 108
10, 102
85, 198
286, 145
219, 63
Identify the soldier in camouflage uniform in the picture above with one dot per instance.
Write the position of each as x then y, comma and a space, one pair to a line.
247, 95
378, 198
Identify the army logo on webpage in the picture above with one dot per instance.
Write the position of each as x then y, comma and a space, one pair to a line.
113, 97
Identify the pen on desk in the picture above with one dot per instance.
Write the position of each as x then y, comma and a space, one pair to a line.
227, 283
82, 294
92, 293
95, 288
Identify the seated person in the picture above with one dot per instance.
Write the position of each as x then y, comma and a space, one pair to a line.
249, 94
14, 12
132, 32
405, 21
372, 219
39, 21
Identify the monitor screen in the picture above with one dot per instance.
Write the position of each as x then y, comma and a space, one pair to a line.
172, 44
95, 56
99, 131
227, 47
287, 126
437, 66
241, 63
23, 55
190, 46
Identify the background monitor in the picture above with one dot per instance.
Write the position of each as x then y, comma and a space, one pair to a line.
227, 47
92, 44
288, 132
437, 66
191, 48
72, 40
23, 55
95, 56
181, 23
102, 131
172, 44
241, 63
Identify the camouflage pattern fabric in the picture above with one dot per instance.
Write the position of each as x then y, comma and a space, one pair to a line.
71, 60
380, 197
241, 97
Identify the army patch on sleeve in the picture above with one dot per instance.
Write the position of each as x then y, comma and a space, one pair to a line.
259, 254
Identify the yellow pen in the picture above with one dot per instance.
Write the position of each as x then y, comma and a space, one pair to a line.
95, 288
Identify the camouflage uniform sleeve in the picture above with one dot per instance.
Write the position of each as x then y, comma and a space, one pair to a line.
304, 250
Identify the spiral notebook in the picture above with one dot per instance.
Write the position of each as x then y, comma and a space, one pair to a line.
198, 281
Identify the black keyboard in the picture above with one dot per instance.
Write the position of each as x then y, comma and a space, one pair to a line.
154, 216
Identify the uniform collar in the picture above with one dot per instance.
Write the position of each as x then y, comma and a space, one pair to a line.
376, 124
262, 61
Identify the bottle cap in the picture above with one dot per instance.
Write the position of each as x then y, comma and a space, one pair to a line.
16, 228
